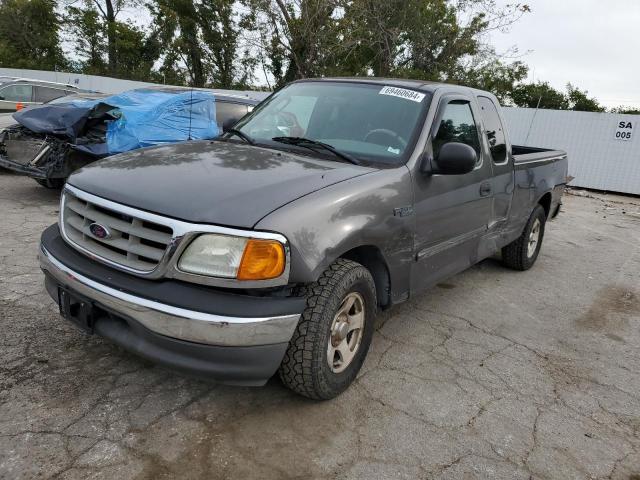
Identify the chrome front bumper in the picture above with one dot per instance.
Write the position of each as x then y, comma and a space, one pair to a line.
174, 322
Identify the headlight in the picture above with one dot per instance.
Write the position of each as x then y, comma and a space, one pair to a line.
227, 256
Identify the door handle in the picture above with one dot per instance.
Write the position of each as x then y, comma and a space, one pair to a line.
485, 189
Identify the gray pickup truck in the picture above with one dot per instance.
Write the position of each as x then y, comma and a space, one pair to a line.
272, 248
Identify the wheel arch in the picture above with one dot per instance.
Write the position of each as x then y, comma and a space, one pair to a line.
371, 257
545, 202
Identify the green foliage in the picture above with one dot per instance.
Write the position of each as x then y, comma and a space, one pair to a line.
626, 110
294, 38
137, 52
494, 76
87, 29
113, 48
438, 40
543, 95
29, 35
200, 42
539, 95
580, 101
230, 43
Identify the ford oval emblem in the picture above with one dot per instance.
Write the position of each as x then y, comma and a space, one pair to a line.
99, 231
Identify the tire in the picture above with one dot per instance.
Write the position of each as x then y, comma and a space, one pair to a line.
518, 255
52, 183
305, 368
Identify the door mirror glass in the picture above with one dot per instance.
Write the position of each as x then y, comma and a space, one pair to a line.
454, 158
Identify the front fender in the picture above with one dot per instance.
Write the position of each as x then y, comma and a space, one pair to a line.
375, 209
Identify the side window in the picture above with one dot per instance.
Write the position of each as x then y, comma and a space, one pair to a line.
228, 114
46, 94
457, 125
494, 131
17, 93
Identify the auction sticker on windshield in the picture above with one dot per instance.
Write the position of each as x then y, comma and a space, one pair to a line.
403, 93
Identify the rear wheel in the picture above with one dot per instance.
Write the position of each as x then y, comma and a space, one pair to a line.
522, 253
334, 332
53, 183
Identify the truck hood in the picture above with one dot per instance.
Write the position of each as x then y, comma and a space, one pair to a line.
210, 182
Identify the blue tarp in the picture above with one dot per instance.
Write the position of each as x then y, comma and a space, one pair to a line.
135, 119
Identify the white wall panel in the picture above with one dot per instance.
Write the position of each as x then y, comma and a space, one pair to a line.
596, 158
103, 84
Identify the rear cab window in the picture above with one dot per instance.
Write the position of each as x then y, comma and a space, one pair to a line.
494, 130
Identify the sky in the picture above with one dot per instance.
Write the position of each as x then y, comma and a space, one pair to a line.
594, 44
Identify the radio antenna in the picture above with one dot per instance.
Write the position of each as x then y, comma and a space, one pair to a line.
190, 111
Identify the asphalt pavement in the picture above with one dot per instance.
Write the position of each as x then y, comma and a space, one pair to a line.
492, 374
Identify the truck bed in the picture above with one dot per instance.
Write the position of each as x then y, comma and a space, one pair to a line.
536, 170
522, 154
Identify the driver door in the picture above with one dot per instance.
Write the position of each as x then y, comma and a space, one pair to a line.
452, 211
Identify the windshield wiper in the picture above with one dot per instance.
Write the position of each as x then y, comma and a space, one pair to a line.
242, 135
314, 144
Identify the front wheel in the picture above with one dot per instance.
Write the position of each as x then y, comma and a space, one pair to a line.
522, 253
334, 333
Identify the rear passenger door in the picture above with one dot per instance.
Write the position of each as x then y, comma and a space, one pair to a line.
452, 211
503, 177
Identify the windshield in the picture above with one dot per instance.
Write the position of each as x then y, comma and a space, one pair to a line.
374, 123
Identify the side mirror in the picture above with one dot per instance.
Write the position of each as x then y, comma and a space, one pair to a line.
454, 159
1, 97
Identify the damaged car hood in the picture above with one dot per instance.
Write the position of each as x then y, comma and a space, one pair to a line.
220, 183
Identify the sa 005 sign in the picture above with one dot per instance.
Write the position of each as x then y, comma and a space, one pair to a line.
624, 130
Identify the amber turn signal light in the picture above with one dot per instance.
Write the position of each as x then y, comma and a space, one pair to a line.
262, 260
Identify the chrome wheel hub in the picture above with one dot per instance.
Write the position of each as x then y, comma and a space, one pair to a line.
346, 332
534, 238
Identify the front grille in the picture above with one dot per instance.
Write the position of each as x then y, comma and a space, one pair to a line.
133, 243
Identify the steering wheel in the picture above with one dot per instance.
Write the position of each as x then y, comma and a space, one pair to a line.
396, 140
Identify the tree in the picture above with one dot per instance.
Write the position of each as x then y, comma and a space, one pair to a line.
137, 52
579, 100
219, 33
427, 39
626, 110
29, 35
543, 95
109, 9
131, 53
85, 27
296, 37
200, 41
492, 75
539, 95
436, 40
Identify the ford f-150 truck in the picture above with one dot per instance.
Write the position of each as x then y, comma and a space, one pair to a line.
272, 248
